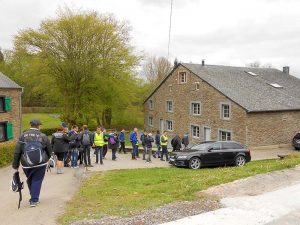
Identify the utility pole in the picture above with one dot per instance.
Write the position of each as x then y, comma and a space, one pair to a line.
170, 26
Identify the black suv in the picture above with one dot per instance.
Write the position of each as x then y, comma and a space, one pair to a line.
213, 153
296, 141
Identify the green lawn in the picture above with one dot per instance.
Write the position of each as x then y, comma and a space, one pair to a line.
126, 192
48, 120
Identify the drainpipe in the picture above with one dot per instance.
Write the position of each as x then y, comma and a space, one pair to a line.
20, 110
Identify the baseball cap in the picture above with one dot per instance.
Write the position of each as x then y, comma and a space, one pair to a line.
35, 122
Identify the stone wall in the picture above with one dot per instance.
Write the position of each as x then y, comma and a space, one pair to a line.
272, 128
14, 114
182, 95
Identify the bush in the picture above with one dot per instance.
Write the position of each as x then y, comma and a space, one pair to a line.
6, 154
48, 131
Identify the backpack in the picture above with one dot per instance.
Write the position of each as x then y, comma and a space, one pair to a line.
73, 141
112, 140
33, 153
86, 139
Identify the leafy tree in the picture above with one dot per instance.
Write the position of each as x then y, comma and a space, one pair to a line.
88, 56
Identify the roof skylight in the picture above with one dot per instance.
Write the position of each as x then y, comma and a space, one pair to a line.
251, 73
275, 85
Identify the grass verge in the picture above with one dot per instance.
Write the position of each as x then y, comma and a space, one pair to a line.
126, 192
48, 120
6, 154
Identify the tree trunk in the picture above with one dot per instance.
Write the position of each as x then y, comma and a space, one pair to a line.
106, 117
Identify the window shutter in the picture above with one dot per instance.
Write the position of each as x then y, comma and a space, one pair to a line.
9, 131
7, 104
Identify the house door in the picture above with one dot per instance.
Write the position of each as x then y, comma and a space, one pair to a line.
162, 126
207, 134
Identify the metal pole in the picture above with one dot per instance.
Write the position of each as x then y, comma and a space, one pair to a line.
170, 26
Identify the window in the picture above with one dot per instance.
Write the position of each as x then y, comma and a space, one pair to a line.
170, 87
182, 77
195, 130
224, 135
169, 106
2, 131
197, 86
275, 85
216, 146
169, 125
150, 121
232, 145
195, 108
2, 104
150, 104
6, 131
225, 111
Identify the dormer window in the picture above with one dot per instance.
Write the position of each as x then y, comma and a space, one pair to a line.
182, 77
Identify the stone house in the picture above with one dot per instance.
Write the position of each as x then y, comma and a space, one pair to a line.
10, 109
254, 106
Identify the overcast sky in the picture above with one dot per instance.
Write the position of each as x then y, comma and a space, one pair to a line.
231, 32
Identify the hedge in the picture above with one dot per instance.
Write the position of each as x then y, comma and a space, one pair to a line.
6, 154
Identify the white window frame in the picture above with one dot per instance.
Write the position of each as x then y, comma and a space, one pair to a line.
167, 106
192, 131
197, 86
225, 131
192, 108
222, 112
150, 104
150, 121
169, 122
180, 80
170, 87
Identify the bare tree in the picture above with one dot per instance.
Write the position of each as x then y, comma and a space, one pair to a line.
156, 69
1, 56
257, 64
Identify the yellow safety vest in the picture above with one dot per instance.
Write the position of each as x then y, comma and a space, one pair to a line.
98, 139
166, 140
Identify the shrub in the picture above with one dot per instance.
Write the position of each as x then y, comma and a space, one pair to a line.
6, 154
48, 131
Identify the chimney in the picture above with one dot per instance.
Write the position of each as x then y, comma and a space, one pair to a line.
203, 62
286, 70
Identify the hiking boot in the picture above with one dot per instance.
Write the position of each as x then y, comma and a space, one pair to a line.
89, 165
34, 204
154, 156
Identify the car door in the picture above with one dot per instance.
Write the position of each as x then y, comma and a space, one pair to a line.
214, 154
229, 152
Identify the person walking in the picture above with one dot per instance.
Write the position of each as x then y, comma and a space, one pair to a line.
143, 141
134, 143
105, 146
122, 141
86, 141
113, 144
74, 146
185, 140
176, 143
157, 142
33, 150
164, 146
60, 145
98, 142
149, 139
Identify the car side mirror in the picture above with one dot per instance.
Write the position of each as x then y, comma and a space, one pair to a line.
210, 149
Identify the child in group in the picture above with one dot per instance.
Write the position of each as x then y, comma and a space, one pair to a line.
148, 141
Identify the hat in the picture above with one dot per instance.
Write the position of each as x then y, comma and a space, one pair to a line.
35, 122
63, 124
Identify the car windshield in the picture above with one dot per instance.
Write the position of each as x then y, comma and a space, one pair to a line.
201, 147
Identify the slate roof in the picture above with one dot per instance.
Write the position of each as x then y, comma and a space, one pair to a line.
253, 93
5, 82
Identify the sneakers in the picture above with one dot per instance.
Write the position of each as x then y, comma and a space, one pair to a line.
34, 204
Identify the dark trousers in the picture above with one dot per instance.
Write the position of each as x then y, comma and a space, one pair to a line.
158, 153
86, 154
144, 152
104, 150
164, 152
74, 157
122, 147
35, 177
99, 154
134, 150
67, 158
113, 152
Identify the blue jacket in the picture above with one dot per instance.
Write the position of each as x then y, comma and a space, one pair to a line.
157, 139
122, 137
133, 138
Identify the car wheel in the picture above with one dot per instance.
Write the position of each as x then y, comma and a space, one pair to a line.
195, 163
240, 161
296, 148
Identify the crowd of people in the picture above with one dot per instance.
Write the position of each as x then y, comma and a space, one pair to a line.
70, 148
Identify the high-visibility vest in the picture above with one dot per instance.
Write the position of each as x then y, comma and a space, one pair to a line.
99, 139
166, 140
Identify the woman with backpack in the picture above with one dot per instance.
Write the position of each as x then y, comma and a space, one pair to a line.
86, 141
113, 144
60, 145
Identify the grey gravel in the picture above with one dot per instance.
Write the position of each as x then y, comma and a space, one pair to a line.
166, 213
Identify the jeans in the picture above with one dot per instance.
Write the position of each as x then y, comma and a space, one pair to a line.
86, 154
134, 151
35, 177
122, 147
144, 152
113, 152
66, 158
74, 157
158, 153
99, 154
149, 153
164, 152
104, 150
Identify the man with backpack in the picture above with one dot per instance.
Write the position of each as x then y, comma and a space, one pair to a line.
85, 138
33, 150
74, 146
122, 141
113, 144
144, 144
149, 139
176, 143
164, 146
134, 143
157, 142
